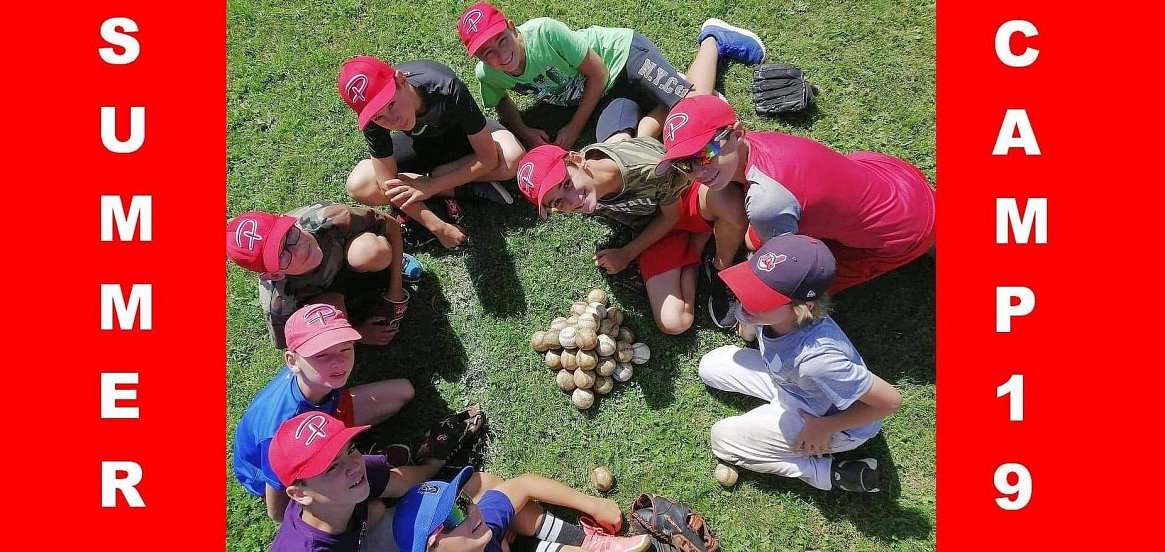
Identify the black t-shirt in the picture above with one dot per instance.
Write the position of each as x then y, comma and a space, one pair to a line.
449, 107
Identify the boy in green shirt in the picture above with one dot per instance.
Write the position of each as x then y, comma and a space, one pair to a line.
615, 72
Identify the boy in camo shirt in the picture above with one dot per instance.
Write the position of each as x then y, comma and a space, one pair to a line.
673, 218
349, 257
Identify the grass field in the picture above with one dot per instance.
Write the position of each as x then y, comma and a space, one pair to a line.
291, 141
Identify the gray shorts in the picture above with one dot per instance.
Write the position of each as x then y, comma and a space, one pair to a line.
648, 80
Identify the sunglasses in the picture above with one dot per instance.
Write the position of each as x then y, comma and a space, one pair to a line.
704, 156
286, 257
458, 514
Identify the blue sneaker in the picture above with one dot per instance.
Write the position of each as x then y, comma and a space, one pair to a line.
412, 269
733, 42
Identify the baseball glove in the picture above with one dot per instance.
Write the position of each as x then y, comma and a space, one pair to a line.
373, 307
780, 88
673, 526
451, 434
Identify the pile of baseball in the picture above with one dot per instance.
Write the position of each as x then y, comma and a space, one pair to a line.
589, 349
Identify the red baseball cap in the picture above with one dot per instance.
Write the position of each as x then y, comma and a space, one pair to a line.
316, 327
255, 240
367, 85
539, 171
691, 124
304, 446
784, 268
479, 23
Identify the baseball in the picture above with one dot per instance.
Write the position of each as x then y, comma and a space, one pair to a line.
626, 335
606, 345
587, 360
624, 372
603, 384
567, 360
598, 296
598, 310
584, 379
601, 478
558, 323
566, 337
582, 398
587, 320
615, 315
605, 326
550, 340
585, 339
565, 381
613, 333
640, 353
726, 475
572, 320
553, 360
578, 308
624, 352
606, 366
537, 341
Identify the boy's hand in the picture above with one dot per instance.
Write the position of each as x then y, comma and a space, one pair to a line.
566, 136
407, 189
613, 260
814, 438
609, 515
533, 137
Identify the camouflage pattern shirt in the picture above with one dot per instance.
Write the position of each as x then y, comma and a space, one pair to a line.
333, 226
643, 192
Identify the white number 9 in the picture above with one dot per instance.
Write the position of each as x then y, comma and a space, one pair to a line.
1019, 494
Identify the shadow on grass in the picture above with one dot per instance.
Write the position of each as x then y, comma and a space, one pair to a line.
875, 514
426, 346
489, 263
891, 322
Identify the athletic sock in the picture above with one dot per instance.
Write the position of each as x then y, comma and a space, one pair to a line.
553, 529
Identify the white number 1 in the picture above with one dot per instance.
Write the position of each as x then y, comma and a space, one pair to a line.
1014, 388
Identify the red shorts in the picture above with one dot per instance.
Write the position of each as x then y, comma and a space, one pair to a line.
344, 411
674, 250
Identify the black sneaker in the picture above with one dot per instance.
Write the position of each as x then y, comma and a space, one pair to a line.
722, 304
492, 191
630, 279
858, 476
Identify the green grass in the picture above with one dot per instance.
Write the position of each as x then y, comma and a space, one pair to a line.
292, 141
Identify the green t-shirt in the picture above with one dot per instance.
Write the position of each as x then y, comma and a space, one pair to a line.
553, 55
643, 192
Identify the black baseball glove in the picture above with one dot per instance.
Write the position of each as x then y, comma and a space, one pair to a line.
780, 88
451, 434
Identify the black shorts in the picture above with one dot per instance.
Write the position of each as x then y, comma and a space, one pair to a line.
648, 80
420, 155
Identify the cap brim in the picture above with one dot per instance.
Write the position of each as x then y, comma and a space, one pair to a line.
324, 456
446, 498
274, 246
684, 148
754, 295
321, 341
484, 36
376, 104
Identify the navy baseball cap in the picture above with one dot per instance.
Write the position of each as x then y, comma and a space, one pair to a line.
785, 268
423, 509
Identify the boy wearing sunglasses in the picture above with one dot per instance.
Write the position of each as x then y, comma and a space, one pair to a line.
673, 219
614, 72
318, 362
333, 490
350, 257
874, 211
451, 517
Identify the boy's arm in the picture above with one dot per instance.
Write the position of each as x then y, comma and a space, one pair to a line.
404, 478
616, 260
486, 159
596, 73
528, 487
276, 501
877, 403
731, 223
512, 119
